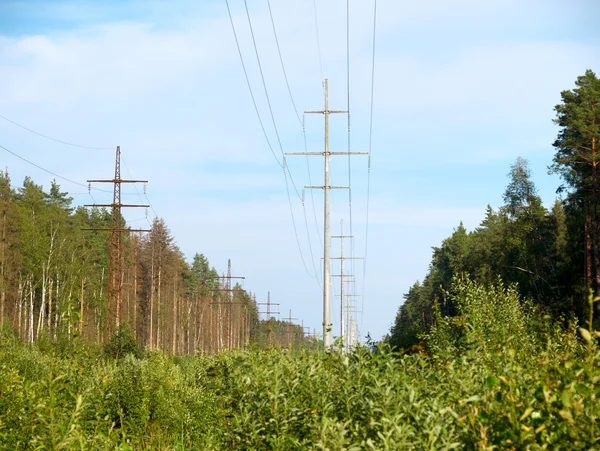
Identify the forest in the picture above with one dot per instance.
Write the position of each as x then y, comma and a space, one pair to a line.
551, 254
54, 270
497, 348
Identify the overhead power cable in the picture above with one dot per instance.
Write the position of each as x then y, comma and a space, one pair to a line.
369, 164
349, 146
286, 170
318, 41
264, 83
295, 230
304, 135
54, 139
262, 126
287, 83
138, 193
282, 164
50, 172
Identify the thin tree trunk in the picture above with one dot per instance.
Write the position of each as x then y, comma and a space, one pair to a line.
152, 299
587, 244
596, 222
20, 307
135, 299
50, 283
595, 244
43, 306
30, 312
158, 301
81, 307
174, 345
45, 275
56, 313
210, 333
98, 310
128, 278
3, 270
188, 334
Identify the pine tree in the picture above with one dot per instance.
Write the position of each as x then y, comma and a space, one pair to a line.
577, 160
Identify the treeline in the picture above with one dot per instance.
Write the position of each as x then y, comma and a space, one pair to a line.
553, 255
54, 269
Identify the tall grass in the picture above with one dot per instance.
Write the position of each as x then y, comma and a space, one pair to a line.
498, 377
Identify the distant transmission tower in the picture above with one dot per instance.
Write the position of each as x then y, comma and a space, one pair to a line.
115, 265
344, 312
269, 313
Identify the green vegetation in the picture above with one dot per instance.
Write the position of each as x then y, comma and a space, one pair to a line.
497, 376
553, 255
54, 271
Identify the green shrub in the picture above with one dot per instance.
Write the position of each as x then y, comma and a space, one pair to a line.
498, 377
121, 344
491, 318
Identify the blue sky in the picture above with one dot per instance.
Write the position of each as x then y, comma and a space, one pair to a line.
461, 89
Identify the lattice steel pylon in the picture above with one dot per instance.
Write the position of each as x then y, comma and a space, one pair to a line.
115, 262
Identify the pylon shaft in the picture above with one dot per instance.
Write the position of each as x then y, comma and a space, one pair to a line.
326, 234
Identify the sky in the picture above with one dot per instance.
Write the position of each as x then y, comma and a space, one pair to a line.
461, 89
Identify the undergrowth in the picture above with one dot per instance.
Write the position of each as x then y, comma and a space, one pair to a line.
499, 376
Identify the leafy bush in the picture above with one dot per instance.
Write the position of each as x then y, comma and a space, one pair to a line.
495, 390
121, 344
490, 318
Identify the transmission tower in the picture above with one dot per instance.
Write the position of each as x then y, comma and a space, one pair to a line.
327, 325
288, 328
115, 262
343, 309
269, 312
229, 291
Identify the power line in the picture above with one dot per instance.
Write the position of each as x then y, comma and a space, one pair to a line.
310, 183
282, 65
294, 224
284, 164
262, 126
303, 132
150, 203
50, 172
54, 139
369, 163
348, 108
267, 95
312, 257
318, 38
138, 193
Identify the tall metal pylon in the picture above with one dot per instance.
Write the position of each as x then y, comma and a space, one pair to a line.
327, 324
351, 311
115, 262
289, 329
268, 313
229, 312
342, 275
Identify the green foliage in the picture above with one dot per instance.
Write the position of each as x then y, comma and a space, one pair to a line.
534, 250
553, 256
490, 318
121, 344
496, 376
